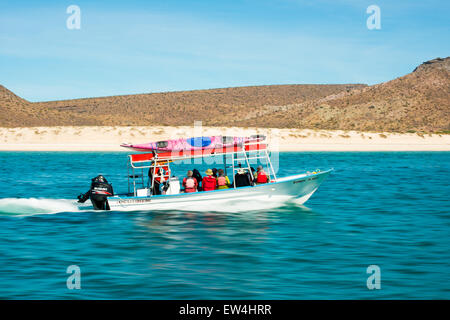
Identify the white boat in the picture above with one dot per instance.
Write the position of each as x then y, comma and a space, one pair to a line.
296, 188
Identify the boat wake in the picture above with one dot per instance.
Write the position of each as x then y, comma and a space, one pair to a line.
32, 206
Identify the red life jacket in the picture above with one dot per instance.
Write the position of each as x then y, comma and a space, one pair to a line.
209, 183
262, 177
190, 184
166, 174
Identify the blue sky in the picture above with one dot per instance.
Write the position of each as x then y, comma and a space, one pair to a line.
127, 47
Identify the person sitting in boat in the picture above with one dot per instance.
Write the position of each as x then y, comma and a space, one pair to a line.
190, 184
209, 183
262, 177
214, 171
242, 178
197, 176
222, 180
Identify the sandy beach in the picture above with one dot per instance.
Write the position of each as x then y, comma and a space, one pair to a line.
109, 138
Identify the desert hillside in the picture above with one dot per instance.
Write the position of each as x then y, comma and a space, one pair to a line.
419, 101
168, 108
18, 112
182, 108
14, 108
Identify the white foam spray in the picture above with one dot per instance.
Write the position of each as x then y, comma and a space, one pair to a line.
31, 206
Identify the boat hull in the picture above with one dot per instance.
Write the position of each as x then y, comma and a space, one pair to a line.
298, 189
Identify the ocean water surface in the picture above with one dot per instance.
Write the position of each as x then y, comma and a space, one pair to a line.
386, 209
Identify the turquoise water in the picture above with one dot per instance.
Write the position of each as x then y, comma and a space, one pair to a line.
385, 209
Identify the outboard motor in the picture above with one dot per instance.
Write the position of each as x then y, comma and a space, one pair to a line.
98, 193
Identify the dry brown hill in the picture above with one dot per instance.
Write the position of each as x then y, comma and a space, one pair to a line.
18, 112
12, 108
171, 108
419, 101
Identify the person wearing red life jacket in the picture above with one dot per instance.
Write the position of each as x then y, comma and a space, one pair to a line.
262, 177
209, 183
223, 182
190, 183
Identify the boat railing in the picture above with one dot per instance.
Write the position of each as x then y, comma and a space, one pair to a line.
185, 155
245, 153
236, 165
